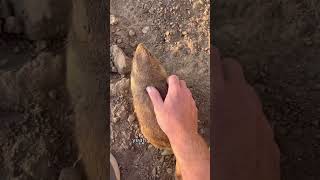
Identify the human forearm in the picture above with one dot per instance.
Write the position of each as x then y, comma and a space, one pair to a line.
177, 116
193, 156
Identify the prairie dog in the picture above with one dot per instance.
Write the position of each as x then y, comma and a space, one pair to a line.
147, 71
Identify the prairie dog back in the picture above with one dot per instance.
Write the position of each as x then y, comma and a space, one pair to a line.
147, 71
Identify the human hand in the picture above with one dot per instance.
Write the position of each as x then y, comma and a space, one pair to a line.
177, 115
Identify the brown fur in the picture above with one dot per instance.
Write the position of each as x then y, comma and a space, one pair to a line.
147, 71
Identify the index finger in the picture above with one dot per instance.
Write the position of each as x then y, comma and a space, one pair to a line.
173, 83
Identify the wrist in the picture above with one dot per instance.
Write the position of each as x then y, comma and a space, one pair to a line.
190, 148
193, 156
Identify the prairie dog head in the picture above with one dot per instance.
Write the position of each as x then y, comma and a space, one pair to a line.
144, 64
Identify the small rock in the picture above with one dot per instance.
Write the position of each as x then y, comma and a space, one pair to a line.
3, 62
169, 171
119, 41
120, 60
154, 172
150, 146
113, 20
145, 29
115, 119
166, 153
120, 87
167, 33
184, 33
12, 25
131, 118
131, 32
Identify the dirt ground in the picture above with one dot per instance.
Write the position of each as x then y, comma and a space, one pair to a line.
277, 43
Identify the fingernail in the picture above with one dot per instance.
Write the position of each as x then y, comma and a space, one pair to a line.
149, 89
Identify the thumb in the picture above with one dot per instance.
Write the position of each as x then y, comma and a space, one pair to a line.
155, 98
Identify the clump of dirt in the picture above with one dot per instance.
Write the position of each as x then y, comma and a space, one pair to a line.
277, 43
177, 33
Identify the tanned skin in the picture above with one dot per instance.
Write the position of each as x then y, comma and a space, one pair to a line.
177, 116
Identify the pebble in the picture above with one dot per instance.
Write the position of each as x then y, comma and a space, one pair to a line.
167, 33
120, 60
131, 32
131, 118
119, 41
169, 171
184, 33
166, 153
113, 20
115, 119
145, 29
120, 87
